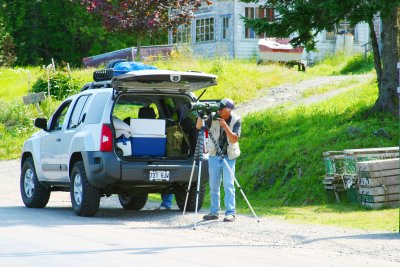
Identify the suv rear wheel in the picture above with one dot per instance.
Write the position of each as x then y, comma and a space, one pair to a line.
34, 194
180, 198
85, 198
133, 201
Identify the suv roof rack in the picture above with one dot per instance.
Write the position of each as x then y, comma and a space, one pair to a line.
96, 85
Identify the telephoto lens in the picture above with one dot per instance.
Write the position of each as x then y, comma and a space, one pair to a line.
204, 106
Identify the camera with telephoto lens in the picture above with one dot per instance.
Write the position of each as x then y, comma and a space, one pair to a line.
205, 108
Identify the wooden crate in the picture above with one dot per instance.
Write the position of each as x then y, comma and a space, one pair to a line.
385, 180
379, 183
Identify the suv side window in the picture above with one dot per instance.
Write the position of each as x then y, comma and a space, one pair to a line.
77, 115
59, 117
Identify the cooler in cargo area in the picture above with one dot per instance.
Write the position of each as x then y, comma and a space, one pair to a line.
148, 145
149, 139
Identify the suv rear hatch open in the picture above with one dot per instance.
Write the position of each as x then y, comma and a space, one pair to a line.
168, 122
163, 81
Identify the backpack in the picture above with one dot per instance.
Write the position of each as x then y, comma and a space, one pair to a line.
176, 138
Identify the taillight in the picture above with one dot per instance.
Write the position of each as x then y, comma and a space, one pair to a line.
106, 139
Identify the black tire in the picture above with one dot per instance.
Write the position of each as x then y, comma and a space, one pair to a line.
180, 198
33, 193
133, 201
85, 198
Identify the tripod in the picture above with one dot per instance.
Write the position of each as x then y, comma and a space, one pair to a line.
198, 156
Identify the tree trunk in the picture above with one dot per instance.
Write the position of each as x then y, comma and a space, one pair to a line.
138, 46
375, 49
388, 100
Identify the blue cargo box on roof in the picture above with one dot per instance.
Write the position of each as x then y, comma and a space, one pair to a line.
124, 67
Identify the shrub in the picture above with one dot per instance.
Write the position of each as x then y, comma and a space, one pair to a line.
61, 85
359, 64
7, 48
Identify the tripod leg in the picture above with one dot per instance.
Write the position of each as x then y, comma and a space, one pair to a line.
188, 189
241, 190
197, 195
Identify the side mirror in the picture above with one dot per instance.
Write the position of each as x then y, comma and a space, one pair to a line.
41, 123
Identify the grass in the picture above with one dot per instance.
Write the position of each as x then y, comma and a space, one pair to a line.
329, 87
14, 82
351, 216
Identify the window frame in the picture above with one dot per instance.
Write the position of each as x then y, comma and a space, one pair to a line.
183, 34
257, 13
61, 112
225, 28
205, 32
81, 113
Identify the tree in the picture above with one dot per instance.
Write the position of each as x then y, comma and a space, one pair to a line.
143, 18
306, 19
7, 47
41, 31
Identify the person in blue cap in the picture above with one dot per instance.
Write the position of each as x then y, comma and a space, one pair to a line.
226, 130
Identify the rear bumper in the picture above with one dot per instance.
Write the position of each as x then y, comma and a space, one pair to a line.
105, 170
102, 168
139, 172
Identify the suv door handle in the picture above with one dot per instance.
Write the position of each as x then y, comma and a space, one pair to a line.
58, 140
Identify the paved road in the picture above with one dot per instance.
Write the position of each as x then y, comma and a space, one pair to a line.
54, 236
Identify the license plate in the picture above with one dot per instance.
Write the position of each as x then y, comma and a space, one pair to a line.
159, 175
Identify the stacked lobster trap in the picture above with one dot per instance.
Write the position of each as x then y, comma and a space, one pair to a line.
346, 172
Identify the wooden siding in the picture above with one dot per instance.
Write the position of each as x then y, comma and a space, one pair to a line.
236, 45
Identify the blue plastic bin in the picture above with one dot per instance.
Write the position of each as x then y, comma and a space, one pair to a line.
148, 146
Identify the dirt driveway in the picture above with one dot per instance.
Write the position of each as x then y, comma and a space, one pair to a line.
54, 236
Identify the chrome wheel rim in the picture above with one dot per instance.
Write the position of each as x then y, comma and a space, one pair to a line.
29, 186
78, 189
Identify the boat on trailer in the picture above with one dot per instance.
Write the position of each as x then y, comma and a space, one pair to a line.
280, 50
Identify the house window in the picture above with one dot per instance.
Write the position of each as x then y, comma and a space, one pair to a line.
205, 30
225, 27
182, 34
330, 36
343, 28
257, 13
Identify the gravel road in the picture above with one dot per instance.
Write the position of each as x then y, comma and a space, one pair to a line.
292, 93
54, 236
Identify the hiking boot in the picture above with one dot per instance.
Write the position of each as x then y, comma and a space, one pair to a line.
230, 218
210, 216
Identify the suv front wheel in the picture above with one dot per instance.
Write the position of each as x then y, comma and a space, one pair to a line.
85, 198
34, 194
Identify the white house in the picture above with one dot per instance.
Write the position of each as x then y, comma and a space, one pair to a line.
219, 30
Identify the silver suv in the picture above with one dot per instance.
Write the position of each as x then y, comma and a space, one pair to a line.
130, 135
